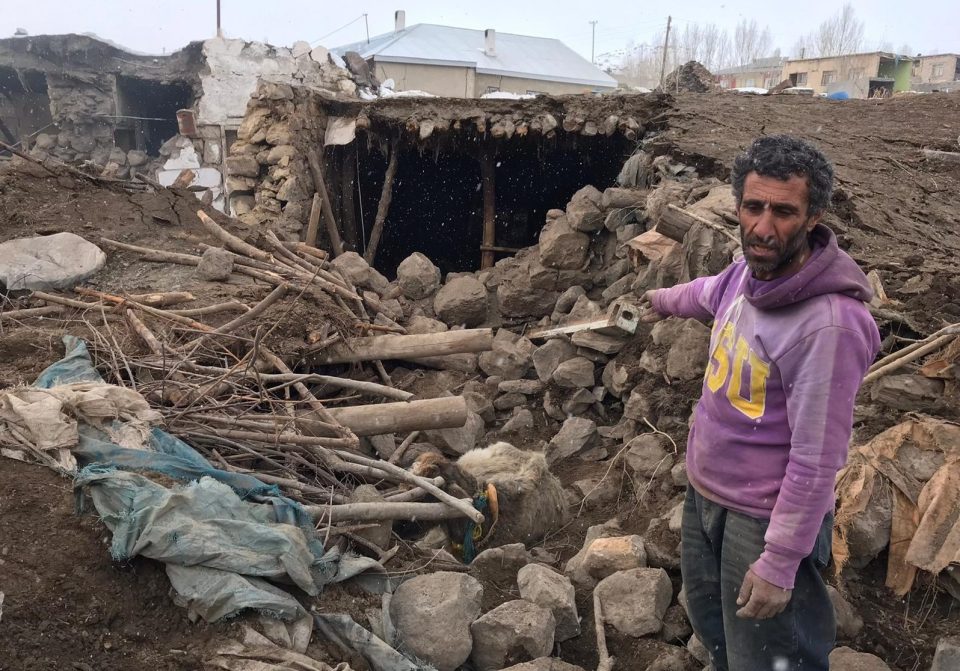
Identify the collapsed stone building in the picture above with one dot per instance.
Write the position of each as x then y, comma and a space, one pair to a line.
81, 99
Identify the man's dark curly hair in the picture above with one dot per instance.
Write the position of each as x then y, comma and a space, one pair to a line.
781, 157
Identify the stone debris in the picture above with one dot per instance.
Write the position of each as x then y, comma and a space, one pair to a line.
947, 655
605, 556
574, 373
849, 622
635, 601
847, 659
545, 664
553, 591
691, 77
576, 435
675, 659
419, 603
419, 278
462, 302
548, 357
59, 261
216, 265
516, 631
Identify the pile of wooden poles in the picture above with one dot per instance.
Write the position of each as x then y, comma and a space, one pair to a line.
224, 391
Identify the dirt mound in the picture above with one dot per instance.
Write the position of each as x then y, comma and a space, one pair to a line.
67, 606
691, 77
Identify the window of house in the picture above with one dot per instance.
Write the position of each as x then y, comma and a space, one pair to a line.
915, 70
856, 74
801, 79
937, 70
493, 89
829, 77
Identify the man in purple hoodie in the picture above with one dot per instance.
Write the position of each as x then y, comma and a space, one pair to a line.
790, 344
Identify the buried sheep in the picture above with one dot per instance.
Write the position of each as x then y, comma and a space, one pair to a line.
519, 496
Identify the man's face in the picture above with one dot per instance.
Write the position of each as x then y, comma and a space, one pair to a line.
774, 225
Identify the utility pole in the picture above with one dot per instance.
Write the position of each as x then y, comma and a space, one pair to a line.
219, 29
593, 41
663, 63
366, 22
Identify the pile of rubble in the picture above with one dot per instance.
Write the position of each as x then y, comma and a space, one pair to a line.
691, 77
511, 376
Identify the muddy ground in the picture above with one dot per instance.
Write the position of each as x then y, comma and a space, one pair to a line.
68, 606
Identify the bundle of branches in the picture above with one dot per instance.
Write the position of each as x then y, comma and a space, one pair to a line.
224, 390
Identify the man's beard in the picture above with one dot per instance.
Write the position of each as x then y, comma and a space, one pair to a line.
785, 253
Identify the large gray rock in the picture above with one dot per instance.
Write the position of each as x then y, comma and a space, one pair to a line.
561, 246
638, 406
635, 601
503, 560
849, 622
615, 377
598, 342
606, 556
676, 625
687, 358
847, 659
675, 659
550, 355
243, 166
548, 589
418, 277
521, 420
947, 656
463, 300
868, 532
566, 302
216, 265
574, 373
575, 436
608, 529
545, 664
698, 650
583, 210
462, 439
909, 392
517, 631
58, 261
648, 456
357, 271
510, 358
422, 602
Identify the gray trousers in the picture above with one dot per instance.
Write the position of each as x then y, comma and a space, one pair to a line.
718, 547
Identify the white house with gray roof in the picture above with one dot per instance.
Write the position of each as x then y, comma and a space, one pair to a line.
464, 63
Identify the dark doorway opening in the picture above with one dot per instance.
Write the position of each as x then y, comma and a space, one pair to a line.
24, 106
148, 112
437, 206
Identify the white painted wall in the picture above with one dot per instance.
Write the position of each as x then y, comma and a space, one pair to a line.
235, 65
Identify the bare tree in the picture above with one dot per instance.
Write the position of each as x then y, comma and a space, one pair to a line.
707, 44
905, 49
750, 42
839, 35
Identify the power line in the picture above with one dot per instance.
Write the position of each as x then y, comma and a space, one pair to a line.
332, 32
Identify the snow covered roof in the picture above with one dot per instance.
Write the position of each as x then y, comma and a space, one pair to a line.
540, 58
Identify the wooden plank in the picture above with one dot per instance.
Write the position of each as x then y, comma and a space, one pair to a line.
313, 225
336, 243
465, 341
383, 208
488, 177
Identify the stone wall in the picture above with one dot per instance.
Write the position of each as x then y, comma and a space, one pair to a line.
268, 176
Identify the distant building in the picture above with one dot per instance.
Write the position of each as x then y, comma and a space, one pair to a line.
759, 73
857, 75
463, 63
940, 72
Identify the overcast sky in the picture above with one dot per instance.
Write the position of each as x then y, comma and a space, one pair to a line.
154, 27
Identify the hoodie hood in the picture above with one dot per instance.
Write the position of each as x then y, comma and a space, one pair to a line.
829, 270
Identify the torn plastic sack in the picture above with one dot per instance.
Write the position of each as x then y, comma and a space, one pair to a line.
342, 630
